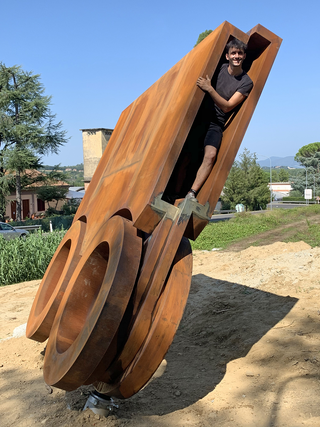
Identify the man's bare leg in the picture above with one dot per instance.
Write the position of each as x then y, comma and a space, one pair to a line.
204, 170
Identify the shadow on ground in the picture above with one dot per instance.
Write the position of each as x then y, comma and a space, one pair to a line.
222, 321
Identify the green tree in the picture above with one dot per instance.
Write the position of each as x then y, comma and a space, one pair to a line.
55, 175
283, 175
308, 151
247, 184
299, 183
28, 128
309, 157
274, 174
5, 183
278, 175
52, 193
202, 36
53, 188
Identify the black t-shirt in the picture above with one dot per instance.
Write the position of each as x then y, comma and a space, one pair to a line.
227, 86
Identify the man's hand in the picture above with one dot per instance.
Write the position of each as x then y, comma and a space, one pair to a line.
204, 83
223, 104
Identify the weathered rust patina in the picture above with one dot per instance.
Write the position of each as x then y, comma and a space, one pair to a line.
114, 293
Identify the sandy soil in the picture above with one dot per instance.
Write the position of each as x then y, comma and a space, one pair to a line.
246, 353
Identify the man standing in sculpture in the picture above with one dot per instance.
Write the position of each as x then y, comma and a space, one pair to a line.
232, 87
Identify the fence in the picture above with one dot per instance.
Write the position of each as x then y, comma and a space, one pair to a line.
28, 227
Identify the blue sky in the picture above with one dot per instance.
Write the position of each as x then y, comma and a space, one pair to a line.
96, 57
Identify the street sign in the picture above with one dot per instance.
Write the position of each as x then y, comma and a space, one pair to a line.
308, 193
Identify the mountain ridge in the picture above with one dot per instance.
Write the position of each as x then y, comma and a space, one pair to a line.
287, 161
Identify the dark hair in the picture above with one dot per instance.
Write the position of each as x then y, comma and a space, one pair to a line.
235, 43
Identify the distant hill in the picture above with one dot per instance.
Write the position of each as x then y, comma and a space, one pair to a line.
279, 161
74, 174
78, 167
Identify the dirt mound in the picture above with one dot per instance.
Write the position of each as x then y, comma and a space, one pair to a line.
274, 250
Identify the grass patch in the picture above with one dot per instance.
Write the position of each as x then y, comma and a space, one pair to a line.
24, 260
222, 234
310, 236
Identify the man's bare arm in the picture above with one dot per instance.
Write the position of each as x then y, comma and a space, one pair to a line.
226, 106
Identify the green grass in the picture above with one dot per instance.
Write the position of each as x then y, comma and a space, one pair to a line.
221, 234
23, 260
310, 236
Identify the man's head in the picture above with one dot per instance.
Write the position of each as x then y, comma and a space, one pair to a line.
237, 44
236, 53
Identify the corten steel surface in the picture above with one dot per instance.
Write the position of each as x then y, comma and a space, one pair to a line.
114, 292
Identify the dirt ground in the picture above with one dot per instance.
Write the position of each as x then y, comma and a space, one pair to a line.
246, 353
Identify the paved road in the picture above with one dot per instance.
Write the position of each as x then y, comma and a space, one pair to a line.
221, 217
224, 217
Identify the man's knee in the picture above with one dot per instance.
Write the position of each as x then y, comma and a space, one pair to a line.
210, 154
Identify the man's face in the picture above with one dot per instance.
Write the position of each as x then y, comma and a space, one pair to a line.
235, 56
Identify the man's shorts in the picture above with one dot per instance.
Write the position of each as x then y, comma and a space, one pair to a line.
213, 136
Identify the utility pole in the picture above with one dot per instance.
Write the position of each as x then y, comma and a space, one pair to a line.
270, 184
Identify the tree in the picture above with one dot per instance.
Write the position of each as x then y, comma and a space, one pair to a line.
53, 188
274, 174
308, 151
283, 175
202, 36
52, 193
246, 184
299, 183
309, 157
28, 129
4, 190
277, 175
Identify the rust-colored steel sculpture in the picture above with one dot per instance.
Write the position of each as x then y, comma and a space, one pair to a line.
115, 291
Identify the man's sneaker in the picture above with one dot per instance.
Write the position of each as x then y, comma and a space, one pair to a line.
190, 196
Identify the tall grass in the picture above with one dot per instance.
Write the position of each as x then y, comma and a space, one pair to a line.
221, 234
23, 260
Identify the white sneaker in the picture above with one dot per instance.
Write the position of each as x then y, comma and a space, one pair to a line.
190, 196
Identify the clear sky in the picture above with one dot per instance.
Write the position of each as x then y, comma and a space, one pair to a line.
96, 57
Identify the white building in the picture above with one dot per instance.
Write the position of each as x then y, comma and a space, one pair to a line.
280, 189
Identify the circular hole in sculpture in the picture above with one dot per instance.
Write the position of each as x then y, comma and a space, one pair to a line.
82, 297
53, 277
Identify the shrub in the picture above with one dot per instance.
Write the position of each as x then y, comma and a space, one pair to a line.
70, 208
23, 260
293, 199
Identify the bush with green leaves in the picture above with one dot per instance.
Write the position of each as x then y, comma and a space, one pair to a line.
71, 207
24, 260
294, 199
296, 194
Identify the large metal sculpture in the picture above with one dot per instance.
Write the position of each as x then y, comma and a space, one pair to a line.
114, 293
